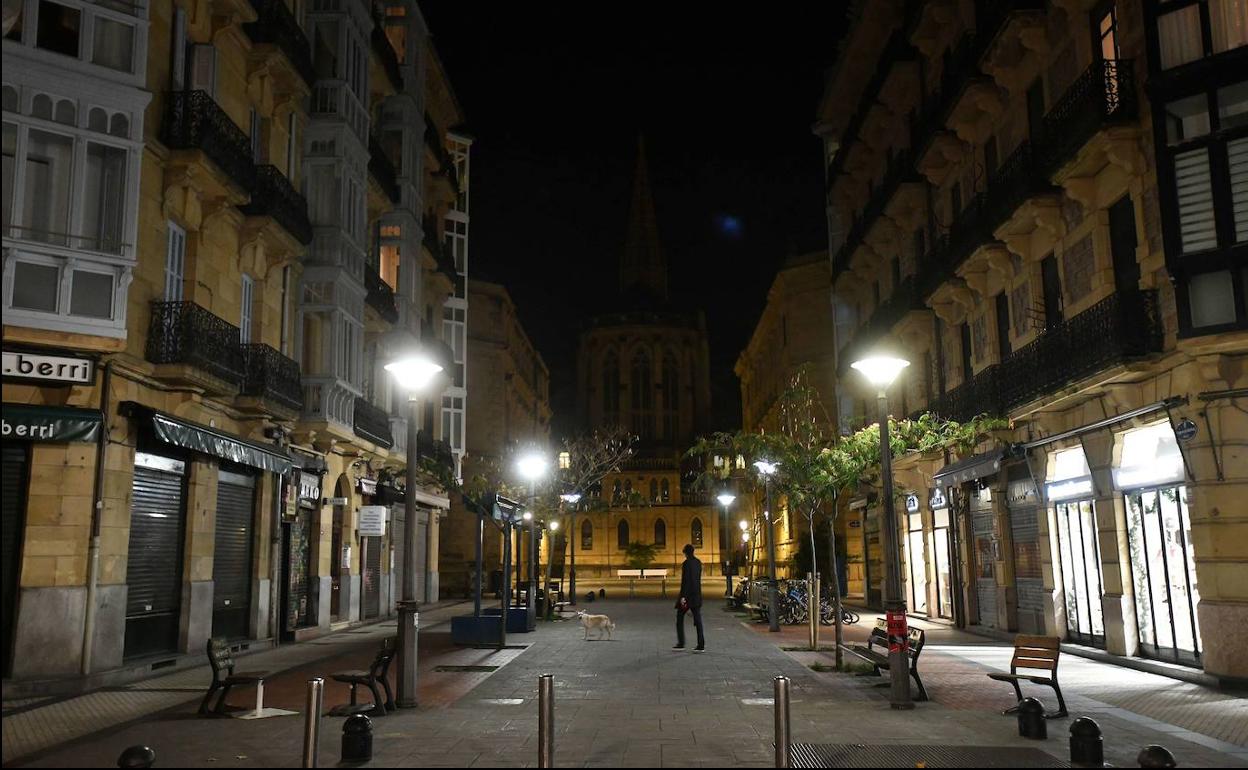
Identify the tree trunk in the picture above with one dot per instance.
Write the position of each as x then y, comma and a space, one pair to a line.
839, 636
812, 590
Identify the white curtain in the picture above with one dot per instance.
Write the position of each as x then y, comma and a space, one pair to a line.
1229, 20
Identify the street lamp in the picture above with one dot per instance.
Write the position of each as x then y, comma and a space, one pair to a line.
768, 469
726, 499
881, 371
413, 373
532, 467
570, 500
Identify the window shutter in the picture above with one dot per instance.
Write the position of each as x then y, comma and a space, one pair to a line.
244, 325
179, 49
1237, 162
1195, 196
175, 263
204, 69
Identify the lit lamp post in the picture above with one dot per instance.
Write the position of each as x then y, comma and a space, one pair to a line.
412, 373
550, 561
571, 500
881, 371
768, 469
531, 468
726, 499
746, 553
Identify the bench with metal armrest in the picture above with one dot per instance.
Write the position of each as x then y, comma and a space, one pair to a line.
374, 676
224, 678
1035, 653
876, 651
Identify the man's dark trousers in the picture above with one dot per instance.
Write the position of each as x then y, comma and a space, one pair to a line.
697, 623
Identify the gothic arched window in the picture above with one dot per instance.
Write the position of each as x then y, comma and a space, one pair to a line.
695, 533
616, 495
654, 490
671, 396
587, 536
667, 491
611, 389
621, 535
642, 389
660, 532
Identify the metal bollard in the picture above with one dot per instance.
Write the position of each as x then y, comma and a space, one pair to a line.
312, 721
137, 756
1087, 747
1156, 756
546, 720
782, 721
357, 740
1031, 723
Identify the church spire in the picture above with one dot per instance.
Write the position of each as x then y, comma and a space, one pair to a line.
642, 267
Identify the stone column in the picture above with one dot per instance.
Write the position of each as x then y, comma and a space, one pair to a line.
1118, 601
201, 521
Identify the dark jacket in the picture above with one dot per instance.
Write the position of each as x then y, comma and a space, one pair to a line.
691, 581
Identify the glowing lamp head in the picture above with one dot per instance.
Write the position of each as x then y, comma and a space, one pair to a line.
765, 467
572, 498
881, 371
531, 466
528, 515
725, 498
413, 372
554, 525
745, 537
743, 524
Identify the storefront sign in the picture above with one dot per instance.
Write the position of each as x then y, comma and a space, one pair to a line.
309, 486
912, 503
337, 501
937, 500
33, 366
855, 523
372, 521
50, 423
1185, 430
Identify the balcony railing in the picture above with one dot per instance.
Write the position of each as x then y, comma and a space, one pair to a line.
380, 296
274, 196
440, 452
276, 25
193, 121
382, 169
1122, 327
1104, 95
372, 423
185, 333
272, 376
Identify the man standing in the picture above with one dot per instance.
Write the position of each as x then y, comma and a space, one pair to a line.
690, 600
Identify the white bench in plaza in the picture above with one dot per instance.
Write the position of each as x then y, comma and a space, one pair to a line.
648, 574
632, 575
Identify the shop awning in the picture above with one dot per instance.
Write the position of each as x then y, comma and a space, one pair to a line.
24, 422
308, 462
970, 469
209, 441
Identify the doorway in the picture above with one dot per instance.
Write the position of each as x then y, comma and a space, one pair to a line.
1080, 557
918, 565
1163, 571
941, 561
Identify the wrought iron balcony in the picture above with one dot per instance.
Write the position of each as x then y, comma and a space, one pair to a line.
185, 333
1122, 327
1021, 176
276, 25
429, 448
1104, 95
274, 196
380, 296
372, 423
382, 169
273, 376
193, 121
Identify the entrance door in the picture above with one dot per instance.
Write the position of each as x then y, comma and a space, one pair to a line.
1079, 553
370, 577
1159, 531
296, 572
1122, 243
335, 567
984, 528
940, 564
918, 565
154, 563
232, 554
16, 465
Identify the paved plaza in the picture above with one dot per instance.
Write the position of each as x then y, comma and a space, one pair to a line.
634, 702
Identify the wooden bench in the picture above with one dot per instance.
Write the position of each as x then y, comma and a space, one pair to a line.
375, 675
879, 657
224, 678
632, 575
1035, 653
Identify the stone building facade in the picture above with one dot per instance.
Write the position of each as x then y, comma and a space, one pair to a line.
1036, 203
225, 217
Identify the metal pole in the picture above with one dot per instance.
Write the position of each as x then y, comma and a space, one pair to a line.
894, 602
409, 608
546, 721
502, 626
781, 720
479, 546
726, 540
312, 721
773, 601
532, 596
572, 547
519, 534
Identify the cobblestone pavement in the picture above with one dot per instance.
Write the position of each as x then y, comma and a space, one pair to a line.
635, 702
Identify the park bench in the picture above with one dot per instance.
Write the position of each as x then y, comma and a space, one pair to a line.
879, 657
661, 574
1035, 653
223, 678
632, 575
375, 675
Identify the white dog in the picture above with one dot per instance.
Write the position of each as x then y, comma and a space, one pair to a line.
598, 622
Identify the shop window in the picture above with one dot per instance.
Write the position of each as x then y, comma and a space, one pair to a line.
1070, 476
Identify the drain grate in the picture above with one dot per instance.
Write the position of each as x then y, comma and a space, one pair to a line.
859, 755
463, 669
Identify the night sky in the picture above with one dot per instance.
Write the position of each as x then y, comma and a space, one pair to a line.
556, 99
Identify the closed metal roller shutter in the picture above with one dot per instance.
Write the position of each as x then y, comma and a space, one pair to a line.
13, 510
371, 578
154, 566
1025, 529
231, 562
986, 581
